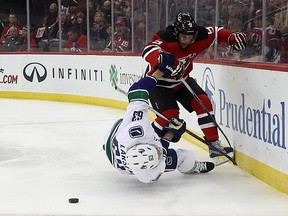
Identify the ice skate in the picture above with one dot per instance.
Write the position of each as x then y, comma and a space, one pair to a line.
201, 167
216, 154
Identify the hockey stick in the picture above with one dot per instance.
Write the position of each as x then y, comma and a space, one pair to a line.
205, 108
229, 158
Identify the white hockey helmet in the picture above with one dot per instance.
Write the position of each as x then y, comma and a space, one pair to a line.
143, 156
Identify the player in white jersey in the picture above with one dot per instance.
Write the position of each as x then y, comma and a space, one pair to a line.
133, 147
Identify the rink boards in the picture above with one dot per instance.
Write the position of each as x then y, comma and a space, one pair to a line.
250, 104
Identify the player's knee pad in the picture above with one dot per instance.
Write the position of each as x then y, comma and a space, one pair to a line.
186, 160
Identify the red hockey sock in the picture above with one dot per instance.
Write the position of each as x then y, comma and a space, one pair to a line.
205, 122
169, 114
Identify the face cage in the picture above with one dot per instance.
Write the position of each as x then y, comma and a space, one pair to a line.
193, 39
160, 154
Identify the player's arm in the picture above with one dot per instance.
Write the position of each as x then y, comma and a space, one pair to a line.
152, 50
175, 129
140, 90
238, 40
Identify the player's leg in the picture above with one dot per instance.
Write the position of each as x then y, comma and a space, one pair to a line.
205, 121
185, 162
164, 101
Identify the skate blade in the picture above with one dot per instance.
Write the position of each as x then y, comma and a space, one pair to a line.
222, 159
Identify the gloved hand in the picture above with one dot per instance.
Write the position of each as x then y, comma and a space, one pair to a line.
177, 127
178, 69
166, 62
238, 40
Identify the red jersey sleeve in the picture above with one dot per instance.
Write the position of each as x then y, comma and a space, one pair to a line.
223, 35
152, 50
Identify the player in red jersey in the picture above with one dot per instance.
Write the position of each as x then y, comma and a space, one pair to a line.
185, 40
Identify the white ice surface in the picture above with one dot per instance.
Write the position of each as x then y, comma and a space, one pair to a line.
52, 151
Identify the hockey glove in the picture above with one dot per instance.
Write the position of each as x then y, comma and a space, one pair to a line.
177, 127
178, 69
166, 62
238, 40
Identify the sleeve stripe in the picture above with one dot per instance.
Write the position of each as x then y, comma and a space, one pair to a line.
149, 49
142, 95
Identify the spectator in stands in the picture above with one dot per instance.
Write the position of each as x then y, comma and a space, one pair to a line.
140, 30
33, 41
92, 10
258, 19
109, 33
224, 15
76, 42
13, 22
106, 8
98, 34
273, 39
99, 17
127, 15
72, 11
80, 23
252, 6
281, 24
51, 20
81, 6
13, 40
236, 10
65, 26
119, 9
122, 41
235, 24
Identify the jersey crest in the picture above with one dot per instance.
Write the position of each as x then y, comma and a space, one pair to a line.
136, 132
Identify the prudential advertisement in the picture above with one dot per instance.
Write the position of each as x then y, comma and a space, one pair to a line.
251, 108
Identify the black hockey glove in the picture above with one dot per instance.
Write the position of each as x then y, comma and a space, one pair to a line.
177, 127
166, 62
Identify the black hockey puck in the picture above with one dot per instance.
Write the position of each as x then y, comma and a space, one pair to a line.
73, 200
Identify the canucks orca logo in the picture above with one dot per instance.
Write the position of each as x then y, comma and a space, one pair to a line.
136, 132
208, 84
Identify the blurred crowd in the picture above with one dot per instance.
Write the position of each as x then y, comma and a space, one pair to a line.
127, 25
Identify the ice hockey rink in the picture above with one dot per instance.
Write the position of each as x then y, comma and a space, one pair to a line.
52, 151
